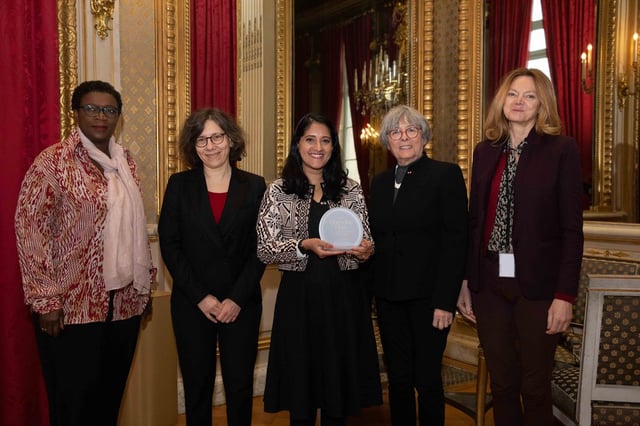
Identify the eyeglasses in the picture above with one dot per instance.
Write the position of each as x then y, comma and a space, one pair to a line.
94, 111
216, 138
396, 134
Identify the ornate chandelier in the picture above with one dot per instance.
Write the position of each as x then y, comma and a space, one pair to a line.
382, 85
383, 81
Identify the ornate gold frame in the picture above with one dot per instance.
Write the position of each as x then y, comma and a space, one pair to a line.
68, 62
470, 77
173, 68
284, 80
605, 106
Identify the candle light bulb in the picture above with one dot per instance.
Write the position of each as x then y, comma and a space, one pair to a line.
634, 58
589, 62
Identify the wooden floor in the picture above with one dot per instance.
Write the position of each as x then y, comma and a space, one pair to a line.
375, 416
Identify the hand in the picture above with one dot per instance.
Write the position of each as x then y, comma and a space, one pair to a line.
321, 248
559, 316
464, 303
210, 307
442, 319
52, 323
229, 311
363, 251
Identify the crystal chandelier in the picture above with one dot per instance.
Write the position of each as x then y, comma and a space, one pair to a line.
383, 81
383, 85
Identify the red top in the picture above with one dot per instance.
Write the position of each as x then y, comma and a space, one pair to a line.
217, 201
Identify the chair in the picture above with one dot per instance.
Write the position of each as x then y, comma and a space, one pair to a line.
604, 388
475, 404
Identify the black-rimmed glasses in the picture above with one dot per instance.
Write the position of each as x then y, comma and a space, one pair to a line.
396, 134
94, 110
216, 138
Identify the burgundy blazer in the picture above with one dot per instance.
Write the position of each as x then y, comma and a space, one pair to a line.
547, 222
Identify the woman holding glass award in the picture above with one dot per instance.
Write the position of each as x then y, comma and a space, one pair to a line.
323, 353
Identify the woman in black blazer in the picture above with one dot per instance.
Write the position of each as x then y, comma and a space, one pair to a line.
207, 232
418, 212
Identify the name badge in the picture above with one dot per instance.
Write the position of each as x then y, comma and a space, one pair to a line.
507, 264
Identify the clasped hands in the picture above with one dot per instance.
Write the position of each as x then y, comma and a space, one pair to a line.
324, 249
224, 312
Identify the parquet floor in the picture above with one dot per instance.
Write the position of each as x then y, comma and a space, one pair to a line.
374, 416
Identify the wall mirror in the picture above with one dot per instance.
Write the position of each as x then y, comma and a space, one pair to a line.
616, 129
616, 113
453, 106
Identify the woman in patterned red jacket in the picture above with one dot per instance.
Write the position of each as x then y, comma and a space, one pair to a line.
85, 261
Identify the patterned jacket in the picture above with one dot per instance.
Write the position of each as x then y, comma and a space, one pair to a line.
59, 221
283, 220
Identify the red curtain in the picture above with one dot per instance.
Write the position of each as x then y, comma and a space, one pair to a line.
356, 37
569, 26
30, 122
508, 32
331, 63
213, 54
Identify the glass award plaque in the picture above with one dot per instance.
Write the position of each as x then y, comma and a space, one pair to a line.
341, 227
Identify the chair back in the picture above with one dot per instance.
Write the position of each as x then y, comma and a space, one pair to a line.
609, 385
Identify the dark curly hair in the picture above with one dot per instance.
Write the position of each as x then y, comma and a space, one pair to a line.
94, 86
194, 126
334, 175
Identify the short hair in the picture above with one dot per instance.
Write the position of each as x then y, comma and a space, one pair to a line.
391, 120
94, 86
334, 175
496, 125
193, 127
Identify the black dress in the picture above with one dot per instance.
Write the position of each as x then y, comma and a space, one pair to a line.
323, 352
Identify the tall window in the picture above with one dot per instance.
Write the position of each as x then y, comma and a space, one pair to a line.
537, 44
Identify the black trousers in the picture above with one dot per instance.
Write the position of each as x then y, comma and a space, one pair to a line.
520, 355
196, 340
85, 370
413, 349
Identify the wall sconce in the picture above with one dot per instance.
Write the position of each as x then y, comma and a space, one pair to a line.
624, 91
587, 70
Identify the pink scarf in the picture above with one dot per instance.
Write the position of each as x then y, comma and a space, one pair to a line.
126, 247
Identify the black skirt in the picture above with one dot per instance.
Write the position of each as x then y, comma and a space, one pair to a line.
323, 352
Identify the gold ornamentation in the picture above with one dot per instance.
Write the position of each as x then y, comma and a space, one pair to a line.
470, 36
605, 110
424, 68
102, 11
67, 62
284, 82
605, 253
173, 72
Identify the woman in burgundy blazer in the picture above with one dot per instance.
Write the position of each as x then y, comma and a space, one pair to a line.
525, 244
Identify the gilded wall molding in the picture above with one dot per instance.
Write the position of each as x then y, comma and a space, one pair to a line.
102, 11
284, 82
470, 77
173, 69
605, 110
422, 62
67, 62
